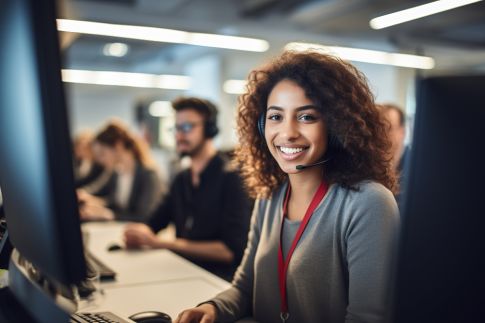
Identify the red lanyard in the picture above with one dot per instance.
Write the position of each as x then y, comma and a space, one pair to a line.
282, 264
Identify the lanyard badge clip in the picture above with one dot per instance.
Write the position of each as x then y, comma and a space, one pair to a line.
284, 316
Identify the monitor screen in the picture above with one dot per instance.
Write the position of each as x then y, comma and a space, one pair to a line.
440, 271
35, 153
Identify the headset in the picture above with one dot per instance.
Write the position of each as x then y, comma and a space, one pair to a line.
210, 124
261, 124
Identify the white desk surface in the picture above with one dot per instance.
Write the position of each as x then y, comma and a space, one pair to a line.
147, 279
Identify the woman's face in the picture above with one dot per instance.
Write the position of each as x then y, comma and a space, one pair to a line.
295, 131
105, 155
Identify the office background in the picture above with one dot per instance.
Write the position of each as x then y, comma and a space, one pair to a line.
454, 39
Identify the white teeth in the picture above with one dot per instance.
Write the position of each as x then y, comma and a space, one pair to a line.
288, 150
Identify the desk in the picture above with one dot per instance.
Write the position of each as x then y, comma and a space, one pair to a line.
147, 279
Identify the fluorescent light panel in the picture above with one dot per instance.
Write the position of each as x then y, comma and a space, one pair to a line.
417, 12
173, 82
368, 56
234, 86
162, 35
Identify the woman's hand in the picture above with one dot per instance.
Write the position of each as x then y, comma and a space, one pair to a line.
88, 211
205, 313
84, 197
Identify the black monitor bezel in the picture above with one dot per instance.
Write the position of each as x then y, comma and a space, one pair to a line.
36, 21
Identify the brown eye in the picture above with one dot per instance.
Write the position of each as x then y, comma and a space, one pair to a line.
274, 117
307, 118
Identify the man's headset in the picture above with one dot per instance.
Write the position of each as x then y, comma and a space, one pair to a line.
210, 124
333, 143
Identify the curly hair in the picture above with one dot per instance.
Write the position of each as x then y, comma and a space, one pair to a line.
360, 145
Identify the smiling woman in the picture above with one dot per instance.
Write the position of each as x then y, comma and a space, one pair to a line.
313, 149
356, 133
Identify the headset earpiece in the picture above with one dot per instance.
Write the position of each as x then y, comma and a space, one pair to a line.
210, 124
261, 124
210, 129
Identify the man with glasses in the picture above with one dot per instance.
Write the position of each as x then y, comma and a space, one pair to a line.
207, 202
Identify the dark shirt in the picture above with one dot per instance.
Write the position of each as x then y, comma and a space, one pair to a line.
218, 209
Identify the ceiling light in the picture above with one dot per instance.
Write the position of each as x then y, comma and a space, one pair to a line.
234, 86
161, 109
368, 56
115, 49
173, 82
162, 35
424, 10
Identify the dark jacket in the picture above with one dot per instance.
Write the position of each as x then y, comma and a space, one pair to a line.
144, 197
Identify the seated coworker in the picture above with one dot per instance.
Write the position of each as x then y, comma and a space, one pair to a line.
134, 190
89, 174
207, 202
397, 133
323, 231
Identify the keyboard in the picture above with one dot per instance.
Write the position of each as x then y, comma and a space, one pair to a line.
100, 317
105, 272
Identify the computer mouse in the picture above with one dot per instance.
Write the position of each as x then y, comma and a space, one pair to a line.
114, 247
151, 317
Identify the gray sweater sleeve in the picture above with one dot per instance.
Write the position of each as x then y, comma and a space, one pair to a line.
236, 302
370, 239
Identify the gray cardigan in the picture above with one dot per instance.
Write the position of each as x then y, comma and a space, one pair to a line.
339, 271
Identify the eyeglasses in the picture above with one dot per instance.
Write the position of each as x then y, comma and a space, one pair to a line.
185, 127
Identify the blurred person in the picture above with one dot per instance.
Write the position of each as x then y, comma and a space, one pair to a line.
397, 133
134, 190
207, 203
89, 174
322, 237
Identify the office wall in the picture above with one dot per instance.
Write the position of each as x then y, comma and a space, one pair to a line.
90, 106
388, 83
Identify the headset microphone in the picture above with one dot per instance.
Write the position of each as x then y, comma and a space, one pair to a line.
300, 167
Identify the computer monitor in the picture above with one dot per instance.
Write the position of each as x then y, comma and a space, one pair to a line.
35, 155
440, 270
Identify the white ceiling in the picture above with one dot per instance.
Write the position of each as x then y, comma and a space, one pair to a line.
455, 38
